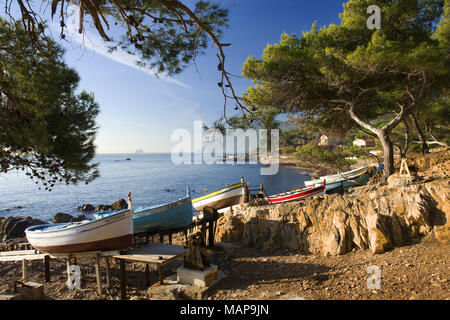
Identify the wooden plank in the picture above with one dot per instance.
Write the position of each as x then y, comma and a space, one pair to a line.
108, 273
17, 253
98, 274
161, 275
22, 257
153, 255
123, 280
24, 271
147, 274
154, 249
47, 269
76, 254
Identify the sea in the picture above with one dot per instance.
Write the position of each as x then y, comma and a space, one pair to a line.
151, 178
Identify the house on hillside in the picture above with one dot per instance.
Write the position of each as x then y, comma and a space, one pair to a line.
364, 143
329, 142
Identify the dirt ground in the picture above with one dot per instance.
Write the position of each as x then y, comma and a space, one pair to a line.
416, 271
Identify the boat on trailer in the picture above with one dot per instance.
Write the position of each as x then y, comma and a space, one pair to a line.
296, 194
111, 232
223, 198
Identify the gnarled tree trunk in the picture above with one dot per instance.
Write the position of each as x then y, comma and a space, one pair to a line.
388, 150
422, 139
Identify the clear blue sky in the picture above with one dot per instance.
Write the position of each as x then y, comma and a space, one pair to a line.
140, 111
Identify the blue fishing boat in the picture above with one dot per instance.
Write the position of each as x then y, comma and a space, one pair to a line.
360, 180
166, 216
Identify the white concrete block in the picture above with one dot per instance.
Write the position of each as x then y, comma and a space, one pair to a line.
197, 277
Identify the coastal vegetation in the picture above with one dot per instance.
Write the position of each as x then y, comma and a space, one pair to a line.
347, 76
47, 129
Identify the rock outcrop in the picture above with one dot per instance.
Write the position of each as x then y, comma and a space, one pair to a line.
381, 219
103, 207
61, 217
119, 205
14, 227
86, 208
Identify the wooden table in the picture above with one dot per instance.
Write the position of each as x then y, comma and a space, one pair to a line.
157, 254
30, 255
97, 255
24, 256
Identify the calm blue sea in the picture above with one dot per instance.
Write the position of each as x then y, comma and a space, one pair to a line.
147, 176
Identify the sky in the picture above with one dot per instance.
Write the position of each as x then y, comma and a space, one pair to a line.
140, 111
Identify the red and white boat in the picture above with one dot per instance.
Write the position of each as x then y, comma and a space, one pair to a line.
297, 194
114, 231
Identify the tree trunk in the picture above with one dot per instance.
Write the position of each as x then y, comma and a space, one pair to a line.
422, 139
404, 150
388, 151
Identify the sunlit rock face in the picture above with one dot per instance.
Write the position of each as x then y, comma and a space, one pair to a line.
379, 219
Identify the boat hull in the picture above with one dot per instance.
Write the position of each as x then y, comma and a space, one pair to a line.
109, 233
173, 215
100, 245
338, 177
296, 195
223, 198
354, 182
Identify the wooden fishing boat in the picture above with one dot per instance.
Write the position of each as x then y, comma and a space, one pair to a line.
354, 181
222, 198
338, 177
166, 216
114, 231
297, 194
350, 182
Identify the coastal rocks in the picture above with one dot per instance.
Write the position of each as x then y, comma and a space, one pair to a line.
15, 244
62, 217
79, 218
119, 205
14, 227
103, 207
86, 208
378, 220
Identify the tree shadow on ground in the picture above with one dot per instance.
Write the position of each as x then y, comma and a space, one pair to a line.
243, 274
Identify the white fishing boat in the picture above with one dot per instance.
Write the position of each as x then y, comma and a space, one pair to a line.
114, 231
222, 198
338, 177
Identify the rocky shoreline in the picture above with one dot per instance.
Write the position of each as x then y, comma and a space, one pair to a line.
315, 249
316, 171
